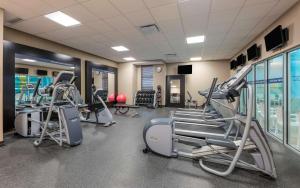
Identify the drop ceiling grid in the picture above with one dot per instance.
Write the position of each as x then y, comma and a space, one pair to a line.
118, 25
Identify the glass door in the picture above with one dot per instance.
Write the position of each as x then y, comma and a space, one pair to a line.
294, 99
175, 91
275, 96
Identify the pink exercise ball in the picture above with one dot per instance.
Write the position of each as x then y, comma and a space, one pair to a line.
111, 98
121, 98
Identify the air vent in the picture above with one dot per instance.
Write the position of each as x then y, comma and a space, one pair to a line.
149, 29
14, 21
170, 55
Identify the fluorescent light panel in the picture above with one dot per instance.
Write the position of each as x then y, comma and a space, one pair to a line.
195, 39
63, 19
29, 60
195, 58
129, 58
120, 48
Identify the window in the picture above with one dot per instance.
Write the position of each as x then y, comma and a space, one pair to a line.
147, 77
294, 99
260, 93
275, 96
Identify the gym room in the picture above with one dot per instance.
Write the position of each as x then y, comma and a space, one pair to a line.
149, 93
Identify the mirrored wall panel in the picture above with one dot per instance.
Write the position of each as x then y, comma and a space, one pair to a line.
103, 80
28, 71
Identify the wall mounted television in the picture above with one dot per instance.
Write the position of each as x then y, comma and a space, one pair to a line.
253, 52
42, 72
185, 69
21, 71
241, 60
233, 64
276, 38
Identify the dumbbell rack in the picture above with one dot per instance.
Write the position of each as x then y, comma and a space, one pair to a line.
145, 98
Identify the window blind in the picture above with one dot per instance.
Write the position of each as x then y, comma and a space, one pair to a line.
147, 77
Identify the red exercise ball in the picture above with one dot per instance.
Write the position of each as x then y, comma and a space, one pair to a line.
111, 98
121, 98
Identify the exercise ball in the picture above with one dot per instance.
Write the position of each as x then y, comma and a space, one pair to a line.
121, 98
111, 98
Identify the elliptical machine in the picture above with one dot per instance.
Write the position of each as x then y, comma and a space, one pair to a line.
102, 114
217, 144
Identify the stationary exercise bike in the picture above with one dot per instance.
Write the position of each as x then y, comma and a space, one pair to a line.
99, 108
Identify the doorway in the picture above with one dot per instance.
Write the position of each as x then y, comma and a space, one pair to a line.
175, 91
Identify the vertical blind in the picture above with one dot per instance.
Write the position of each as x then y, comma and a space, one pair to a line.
104, 80
147, 77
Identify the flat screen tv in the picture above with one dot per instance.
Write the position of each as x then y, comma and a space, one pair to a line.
21, 71
253, 52
185, 69
233, 64
42, 72
241, 60
276, 38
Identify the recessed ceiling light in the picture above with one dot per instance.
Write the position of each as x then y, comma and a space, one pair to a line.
62, 18
29, 60
195, 58
129, 58
195, 39
120, 48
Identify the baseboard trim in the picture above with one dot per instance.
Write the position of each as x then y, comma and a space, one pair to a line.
1, 143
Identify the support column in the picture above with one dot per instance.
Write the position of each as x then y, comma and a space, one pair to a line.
1, 73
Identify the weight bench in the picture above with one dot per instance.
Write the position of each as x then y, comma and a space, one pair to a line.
125, 108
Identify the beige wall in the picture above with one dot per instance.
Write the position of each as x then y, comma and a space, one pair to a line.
111, 83
203, 73
1, 73
127, 76
290, 20
30, 40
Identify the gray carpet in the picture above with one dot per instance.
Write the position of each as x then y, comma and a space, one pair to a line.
113, 157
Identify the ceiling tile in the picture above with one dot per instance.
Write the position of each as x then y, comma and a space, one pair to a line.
126, 6
37, 6
195, 7
45, 25
118, 23
218, 5
16, 10
80, 13
59, 4
156, 3
166, 12
101, 8
140, 18
260, 10
100, 26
